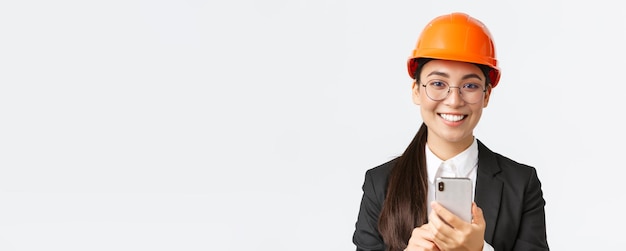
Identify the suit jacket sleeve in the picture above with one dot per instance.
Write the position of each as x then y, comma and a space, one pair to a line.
532, 231
366, 236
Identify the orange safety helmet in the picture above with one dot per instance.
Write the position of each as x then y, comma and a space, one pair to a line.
456, 36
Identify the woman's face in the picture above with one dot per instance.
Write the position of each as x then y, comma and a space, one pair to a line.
450, 120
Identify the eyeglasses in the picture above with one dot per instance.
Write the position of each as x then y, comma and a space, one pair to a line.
438, 90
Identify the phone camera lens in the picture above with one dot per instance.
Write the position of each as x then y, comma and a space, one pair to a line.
440, 186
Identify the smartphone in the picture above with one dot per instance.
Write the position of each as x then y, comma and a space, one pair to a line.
455, 194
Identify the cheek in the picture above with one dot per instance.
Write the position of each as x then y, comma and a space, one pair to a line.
427, 105
478, 111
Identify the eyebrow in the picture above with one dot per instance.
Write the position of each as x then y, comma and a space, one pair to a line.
443, 74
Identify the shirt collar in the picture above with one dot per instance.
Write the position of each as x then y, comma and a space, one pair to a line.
463, 162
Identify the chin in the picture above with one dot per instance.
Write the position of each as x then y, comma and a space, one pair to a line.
456, 138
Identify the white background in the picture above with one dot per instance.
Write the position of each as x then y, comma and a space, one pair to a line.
249, 125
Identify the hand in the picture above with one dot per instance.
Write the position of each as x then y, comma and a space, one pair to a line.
422, 239
450, 232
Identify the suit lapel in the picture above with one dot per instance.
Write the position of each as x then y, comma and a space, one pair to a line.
488, 188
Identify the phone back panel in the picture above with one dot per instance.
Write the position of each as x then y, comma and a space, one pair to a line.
455, 194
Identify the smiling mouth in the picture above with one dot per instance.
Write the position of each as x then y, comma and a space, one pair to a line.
452, 117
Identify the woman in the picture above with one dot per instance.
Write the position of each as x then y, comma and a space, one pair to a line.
454, 70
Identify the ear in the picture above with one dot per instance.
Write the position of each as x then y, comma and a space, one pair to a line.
415, 92
487, 95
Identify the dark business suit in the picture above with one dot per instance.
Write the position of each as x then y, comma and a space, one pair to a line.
509, 193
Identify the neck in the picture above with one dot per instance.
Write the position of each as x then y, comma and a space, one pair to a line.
446, 150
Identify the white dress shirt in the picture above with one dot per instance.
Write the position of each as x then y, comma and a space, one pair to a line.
463, 164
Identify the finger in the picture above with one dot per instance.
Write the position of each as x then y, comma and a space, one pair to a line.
436, 222
442, 232
421, 239
421, 244
447, 216
422, 232
477, 215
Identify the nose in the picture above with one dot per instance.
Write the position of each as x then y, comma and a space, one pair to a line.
454, 98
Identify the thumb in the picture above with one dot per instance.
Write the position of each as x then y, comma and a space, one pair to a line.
477, 215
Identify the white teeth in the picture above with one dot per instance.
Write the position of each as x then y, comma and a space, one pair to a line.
450, 117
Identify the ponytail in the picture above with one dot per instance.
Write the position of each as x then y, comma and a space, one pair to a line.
405, 207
